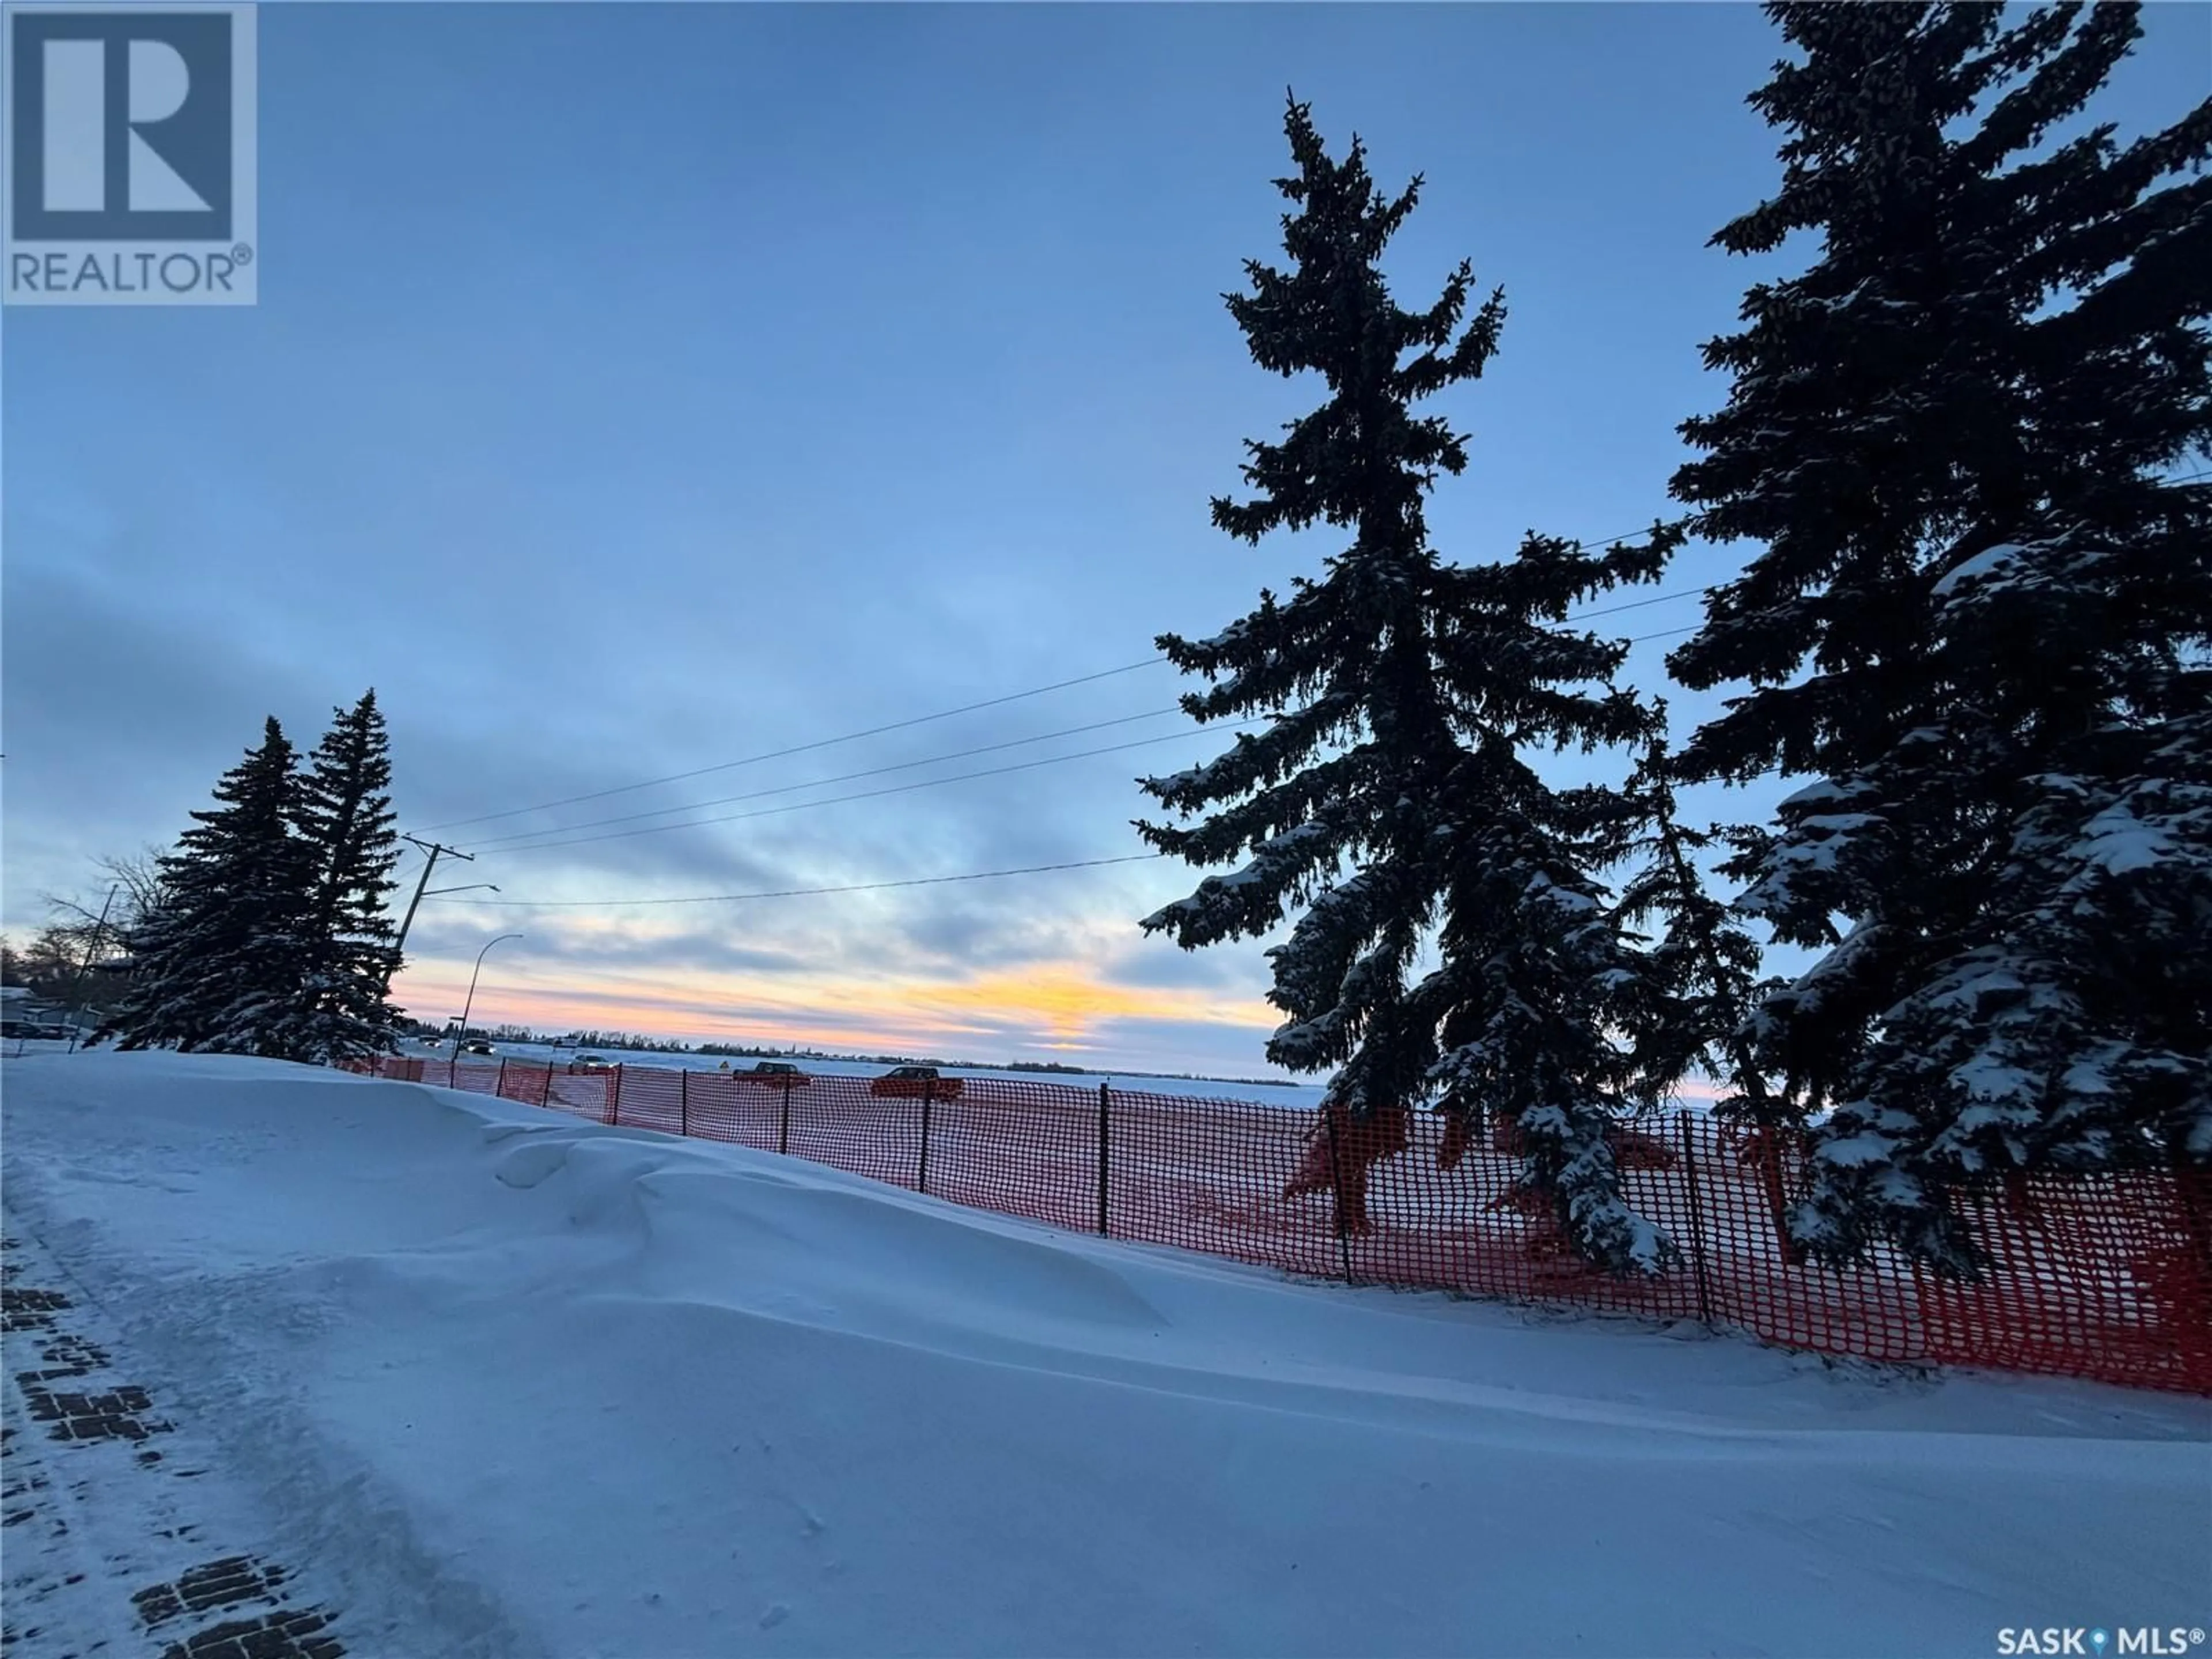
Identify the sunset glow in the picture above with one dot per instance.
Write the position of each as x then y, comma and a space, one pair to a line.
1058, 1008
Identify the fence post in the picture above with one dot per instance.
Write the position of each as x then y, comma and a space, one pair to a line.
499, 1088
1696, 1217
614, 1095
683, 1100
1103, 1144
783, 1122
2190, 1189
1337, 1194
546, 1098
928, 1094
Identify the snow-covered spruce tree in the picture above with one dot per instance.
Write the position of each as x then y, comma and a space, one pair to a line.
2077, 1026
1390, 793
1702, 975
1976, 606
219, 964
342, 816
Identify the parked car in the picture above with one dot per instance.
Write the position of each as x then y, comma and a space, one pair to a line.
781, 1073
915, 1081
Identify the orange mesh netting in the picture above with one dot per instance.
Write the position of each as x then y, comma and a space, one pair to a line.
2107, 1276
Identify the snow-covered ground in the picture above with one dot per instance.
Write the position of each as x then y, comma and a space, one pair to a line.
1297, 1097
489, 1380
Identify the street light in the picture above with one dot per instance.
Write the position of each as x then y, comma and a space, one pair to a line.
461, 1036
399, 945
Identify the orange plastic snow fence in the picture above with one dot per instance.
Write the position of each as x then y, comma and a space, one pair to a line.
2107, 1276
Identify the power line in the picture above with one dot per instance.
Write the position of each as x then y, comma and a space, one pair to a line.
1687, 521
928, 881
900, 789
810, 892
901, 726
1637, 604
500, 844
816, 783
1682, 523
802, 748
872, 794
879, 886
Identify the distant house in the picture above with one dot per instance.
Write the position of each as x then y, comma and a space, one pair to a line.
24, 1015
21, 1002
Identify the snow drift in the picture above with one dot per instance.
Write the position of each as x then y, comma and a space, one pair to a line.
525, 1384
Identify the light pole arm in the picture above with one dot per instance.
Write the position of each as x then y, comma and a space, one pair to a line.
400, 944
461, 1036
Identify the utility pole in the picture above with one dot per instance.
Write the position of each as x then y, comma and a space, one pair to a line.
99, 933
434, 849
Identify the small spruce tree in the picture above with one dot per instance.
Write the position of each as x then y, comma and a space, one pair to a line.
1702, 982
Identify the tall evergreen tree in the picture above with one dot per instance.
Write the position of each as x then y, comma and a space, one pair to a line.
342, 816
1389, 793
220, 961
1975, 617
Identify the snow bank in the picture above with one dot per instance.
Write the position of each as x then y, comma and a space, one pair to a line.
644, 1396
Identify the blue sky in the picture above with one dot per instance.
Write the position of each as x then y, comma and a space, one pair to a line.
635, 389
